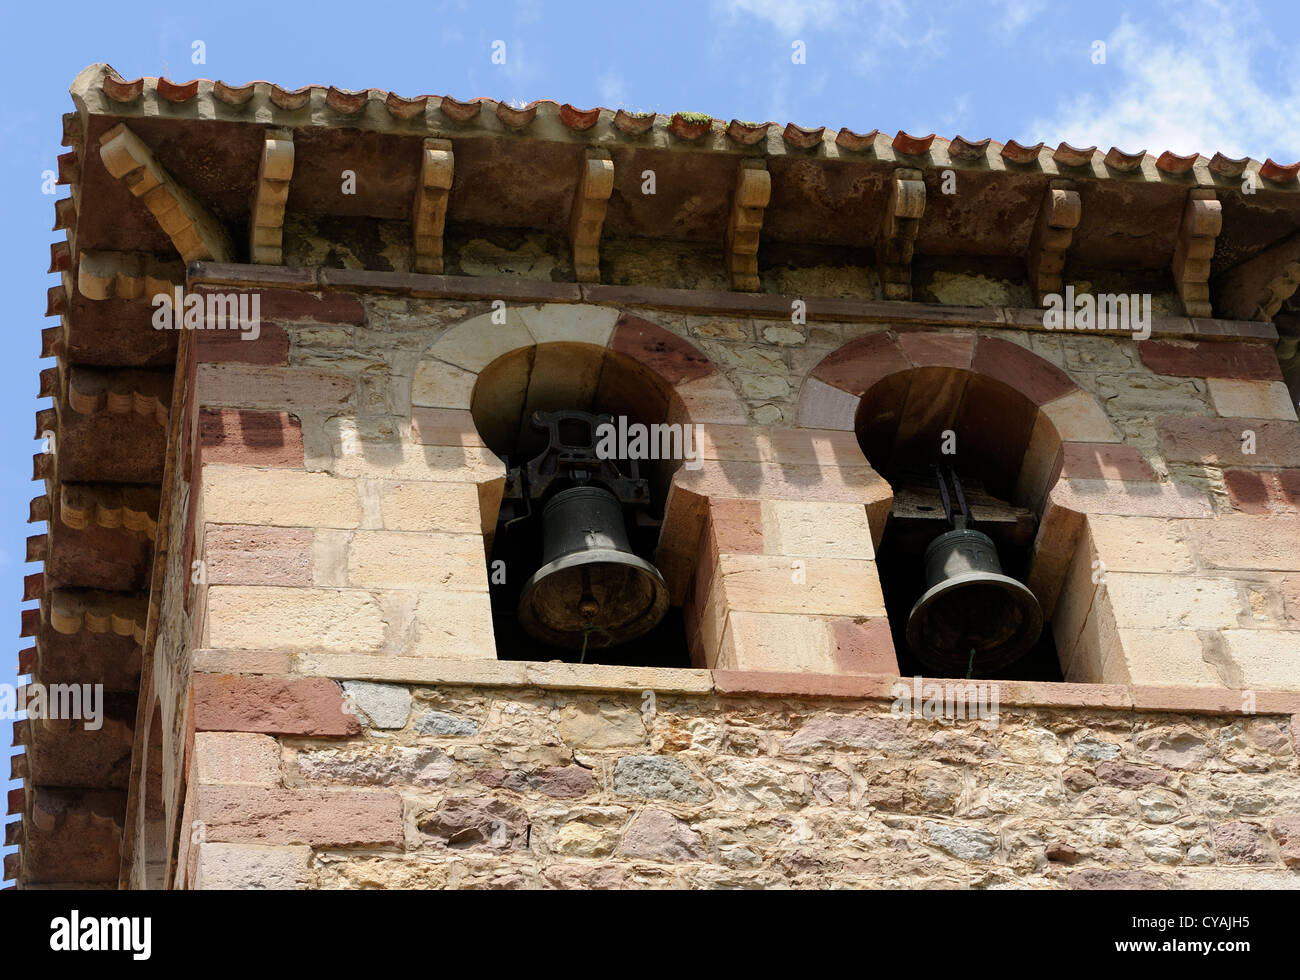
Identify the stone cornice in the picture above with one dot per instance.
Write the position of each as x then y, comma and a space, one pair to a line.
694, 300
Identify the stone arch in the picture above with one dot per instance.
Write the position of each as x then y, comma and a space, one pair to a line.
450, 368
1065, 433
153, 809
1065, 420
542, 343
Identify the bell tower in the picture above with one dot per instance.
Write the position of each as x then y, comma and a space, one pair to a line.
885, 579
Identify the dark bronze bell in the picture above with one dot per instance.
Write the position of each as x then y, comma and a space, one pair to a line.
971, 616
590, 586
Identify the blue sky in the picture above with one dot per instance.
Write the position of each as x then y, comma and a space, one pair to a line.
1186, 76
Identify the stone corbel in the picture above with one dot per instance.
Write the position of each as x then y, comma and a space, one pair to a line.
1054, 229
588, 218
1202, 220
752, 193
266, 224
1257, 288
429, 213
195, 233
898, 233
126, 275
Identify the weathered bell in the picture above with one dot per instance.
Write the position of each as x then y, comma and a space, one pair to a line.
590, 586
971, 616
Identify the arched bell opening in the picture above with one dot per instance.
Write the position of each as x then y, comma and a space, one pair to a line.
583, 432
154, 811
955, 447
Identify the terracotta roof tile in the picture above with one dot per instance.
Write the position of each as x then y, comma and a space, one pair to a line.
964, 149
348, 103
1071, 156
1172, 163
912, 146
1016, 153
1125, 163
802, 138
688, 129
1278, 173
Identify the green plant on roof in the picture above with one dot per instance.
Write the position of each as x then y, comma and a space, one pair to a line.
695, 118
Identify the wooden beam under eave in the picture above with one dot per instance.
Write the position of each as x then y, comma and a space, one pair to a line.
752, 193
588, 217
1202, 221
1257, 288
898, 232
429, 212
195, 234
1058, 216
266, 223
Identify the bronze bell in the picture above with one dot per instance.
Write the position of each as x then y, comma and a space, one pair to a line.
971, 616
591, 586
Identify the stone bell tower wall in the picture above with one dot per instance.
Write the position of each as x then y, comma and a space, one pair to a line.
352, 723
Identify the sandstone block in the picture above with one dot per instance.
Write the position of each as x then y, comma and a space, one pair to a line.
453, 625
410, 560
809, 529
566, 323
438, 384
236, 757
323, 620
243, 554
253, 867
413, 505
1251, 399
281, 498
1248, 542
1140, 544
1267, 658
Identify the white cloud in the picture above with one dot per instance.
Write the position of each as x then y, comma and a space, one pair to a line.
1016, 14
787, 16
1194, 80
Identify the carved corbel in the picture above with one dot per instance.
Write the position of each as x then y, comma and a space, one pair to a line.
898, 232
266, 224
1202, 220
429, 213
752, 194
1058, 216
195, 233
588, 218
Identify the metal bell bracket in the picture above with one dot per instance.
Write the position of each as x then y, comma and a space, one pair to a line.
962, 518
574, 463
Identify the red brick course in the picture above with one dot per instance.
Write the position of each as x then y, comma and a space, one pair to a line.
1245, 362
321, 818
1264, 491
271, 705
1193, 439
231, 435
271, 346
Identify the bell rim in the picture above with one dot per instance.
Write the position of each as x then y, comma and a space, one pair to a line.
651, 618
1009, 584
